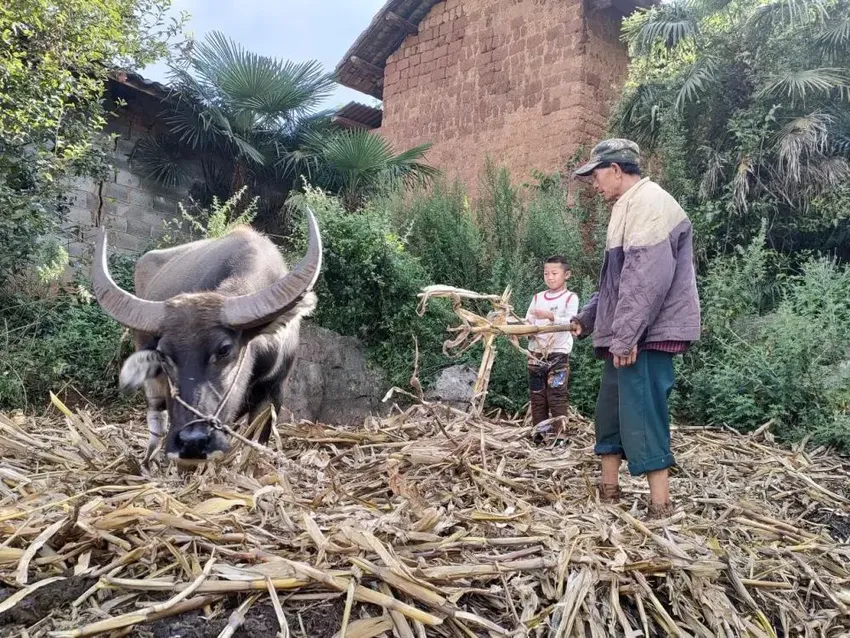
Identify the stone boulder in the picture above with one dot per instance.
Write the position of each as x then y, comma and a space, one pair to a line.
332, 383
454, 386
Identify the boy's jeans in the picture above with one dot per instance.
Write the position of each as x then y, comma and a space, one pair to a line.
548, 386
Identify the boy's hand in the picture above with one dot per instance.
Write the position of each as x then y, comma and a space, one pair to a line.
544, 314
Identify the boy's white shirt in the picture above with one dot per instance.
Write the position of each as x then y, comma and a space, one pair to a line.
562, 304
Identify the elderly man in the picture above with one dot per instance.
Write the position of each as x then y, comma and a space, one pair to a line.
646, 312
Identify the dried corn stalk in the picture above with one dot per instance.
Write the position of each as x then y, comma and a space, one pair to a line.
429, 522
500, 321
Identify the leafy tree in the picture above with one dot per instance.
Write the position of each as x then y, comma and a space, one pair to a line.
54, 60
746, 103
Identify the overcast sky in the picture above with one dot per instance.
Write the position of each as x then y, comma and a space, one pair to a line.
297, 30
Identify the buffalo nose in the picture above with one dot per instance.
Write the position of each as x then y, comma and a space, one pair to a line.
193, 441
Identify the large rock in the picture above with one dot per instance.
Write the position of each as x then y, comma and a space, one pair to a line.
332, 383
454, 386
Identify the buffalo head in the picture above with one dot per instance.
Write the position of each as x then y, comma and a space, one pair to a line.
214, 323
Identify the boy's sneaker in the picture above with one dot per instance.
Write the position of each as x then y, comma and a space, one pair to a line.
545, 432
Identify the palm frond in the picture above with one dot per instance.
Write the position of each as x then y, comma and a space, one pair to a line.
247, 149
669, 24
361, 162
840, 132
799, 141
835, 38
189, 125
715, 165
699, 77
799, 85
705, 8
188, 88
303, 154
829, 172
407, 167
299, 161
259, 83
357, 150
160, 160
742, 184
640, 114
788, 13
293, 132
841, 144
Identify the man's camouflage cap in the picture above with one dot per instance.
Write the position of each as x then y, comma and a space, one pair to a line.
615, 150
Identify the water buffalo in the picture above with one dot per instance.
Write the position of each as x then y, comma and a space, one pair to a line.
217, 321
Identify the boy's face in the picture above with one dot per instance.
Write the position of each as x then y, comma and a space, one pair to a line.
555, 276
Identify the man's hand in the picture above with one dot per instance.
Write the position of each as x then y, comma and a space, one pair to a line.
625, 362
576, 326
544, 314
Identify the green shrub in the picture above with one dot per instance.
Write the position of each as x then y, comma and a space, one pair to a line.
54, 65
773, 349
439, 228
369, 285
61, 341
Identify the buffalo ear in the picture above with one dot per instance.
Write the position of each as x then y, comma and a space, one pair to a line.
138, 368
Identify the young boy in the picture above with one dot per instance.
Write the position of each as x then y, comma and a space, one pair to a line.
547, 381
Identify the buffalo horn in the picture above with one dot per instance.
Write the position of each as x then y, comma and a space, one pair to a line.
262, 307
125, 308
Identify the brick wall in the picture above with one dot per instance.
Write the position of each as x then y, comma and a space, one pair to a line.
132, 207
525, 81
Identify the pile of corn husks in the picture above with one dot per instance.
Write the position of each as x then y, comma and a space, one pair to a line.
428, 522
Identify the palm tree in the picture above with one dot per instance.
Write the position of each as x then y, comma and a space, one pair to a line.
238, 115
358, 163
252, 121
754, 97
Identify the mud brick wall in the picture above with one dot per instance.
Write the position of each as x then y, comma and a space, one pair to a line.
526, 82
132, 207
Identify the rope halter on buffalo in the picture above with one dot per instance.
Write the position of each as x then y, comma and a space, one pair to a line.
500, 321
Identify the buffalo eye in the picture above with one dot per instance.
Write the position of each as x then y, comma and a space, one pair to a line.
224, 351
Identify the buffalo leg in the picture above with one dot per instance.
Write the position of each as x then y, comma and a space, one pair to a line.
156, 396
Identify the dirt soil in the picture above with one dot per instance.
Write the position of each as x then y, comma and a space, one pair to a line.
39, 603
837, 524
321, 620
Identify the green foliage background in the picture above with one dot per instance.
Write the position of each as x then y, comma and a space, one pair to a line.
741, 108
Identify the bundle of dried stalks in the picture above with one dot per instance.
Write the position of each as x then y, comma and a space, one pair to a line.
500, 321
426, 523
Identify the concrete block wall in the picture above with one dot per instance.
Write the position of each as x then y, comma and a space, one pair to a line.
525, 81
132, 207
